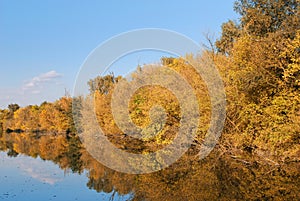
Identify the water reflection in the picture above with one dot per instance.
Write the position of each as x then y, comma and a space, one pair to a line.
49, 167
25, 178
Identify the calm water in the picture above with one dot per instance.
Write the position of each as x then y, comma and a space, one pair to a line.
25, 178
58, 168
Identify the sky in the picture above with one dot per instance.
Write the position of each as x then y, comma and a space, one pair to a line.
43, 44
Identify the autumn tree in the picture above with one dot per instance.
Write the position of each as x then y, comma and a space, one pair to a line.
103, 84
13, 107
260, 18
263, 17
260, 65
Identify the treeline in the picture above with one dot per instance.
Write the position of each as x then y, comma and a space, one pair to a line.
258, 57
48, 117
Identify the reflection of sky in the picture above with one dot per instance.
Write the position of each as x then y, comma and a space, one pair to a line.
24, 178
42, 171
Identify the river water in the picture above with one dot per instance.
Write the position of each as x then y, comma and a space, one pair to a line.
59, 168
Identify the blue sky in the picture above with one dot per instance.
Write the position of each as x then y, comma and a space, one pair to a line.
44, 43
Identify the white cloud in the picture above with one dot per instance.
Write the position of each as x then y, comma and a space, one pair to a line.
41, 175
36, 83
36, 168
47, 86
43, 171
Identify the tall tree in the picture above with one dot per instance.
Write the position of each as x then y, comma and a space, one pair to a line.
103, 84
260, 18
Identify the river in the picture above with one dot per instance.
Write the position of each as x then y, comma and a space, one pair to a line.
49, 167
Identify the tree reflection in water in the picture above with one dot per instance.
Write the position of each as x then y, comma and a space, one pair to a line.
220, 176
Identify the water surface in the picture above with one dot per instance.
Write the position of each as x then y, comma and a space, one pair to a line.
25, 178
48, 167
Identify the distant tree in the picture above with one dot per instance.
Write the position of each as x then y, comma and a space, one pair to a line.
2, 116
167, 60
13, 107
103, 84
